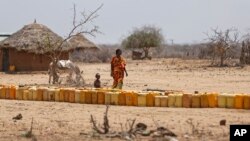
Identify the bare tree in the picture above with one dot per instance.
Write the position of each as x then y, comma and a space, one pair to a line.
245, 50
222, 43
55, 48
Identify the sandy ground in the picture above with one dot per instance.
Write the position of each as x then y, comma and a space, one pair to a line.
65, 121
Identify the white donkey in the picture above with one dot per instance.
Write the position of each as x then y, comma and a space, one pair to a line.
71, 68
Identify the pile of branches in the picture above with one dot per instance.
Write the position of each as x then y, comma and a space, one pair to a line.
131, 131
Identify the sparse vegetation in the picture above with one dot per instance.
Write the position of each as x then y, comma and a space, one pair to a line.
144, 38
221, 44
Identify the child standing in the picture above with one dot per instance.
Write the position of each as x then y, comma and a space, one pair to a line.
97, 83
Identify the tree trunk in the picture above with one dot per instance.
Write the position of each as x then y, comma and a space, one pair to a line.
242, 57
222, 58
55, 76
146, 51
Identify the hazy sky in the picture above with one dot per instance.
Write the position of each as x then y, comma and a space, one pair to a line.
184, 21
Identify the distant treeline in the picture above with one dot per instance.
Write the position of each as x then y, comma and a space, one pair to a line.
185, 51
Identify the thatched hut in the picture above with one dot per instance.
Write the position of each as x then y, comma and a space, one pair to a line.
25, 48
83, 47
79, 42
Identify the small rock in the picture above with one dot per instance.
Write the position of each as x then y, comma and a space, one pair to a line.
157, 134
18, 117
223, 122
141, 126
146, 133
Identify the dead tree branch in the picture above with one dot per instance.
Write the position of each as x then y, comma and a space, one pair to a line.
105, 128
94, 125
54, 48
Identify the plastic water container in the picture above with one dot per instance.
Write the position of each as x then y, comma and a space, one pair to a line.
72, 95
178, 100
7, 92
122, 98
222, 100
164, 101
26, 94
246, 101
39, 94
187, 100
61, 94
12, 92
171, 100
101, 97
204, 101
88, 97
142, 99
212, 100
108, 98
2, 92
157, 101
131, 99
238, 103
230, 100
196, 101
30, 94
57, 94
45, 94
66, 95
77, 96
51, 94
82, 96
114, 100
19, 93
135, 99
33, 92
94, 96
150, 97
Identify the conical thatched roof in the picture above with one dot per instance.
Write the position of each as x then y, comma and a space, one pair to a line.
34, 38
80, 42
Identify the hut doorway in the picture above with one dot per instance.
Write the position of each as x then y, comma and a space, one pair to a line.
5, 59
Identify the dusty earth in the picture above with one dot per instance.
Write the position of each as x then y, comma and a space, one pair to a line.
68, 121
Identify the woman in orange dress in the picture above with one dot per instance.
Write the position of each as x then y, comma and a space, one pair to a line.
118, 68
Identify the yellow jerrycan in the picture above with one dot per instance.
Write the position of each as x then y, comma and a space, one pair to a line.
101, 97
196, 101
108, 98
239, 99
187, 100
178, 100
246, 101
212, 100
230, 100
142, 99
222, 100
171, 100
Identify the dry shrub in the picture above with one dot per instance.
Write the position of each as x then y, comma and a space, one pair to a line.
104, 54
185, 51
90, 56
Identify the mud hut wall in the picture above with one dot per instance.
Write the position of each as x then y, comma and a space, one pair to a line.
24, 61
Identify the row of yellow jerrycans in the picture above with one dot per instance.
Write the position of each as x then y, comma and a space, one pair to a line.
87, 96
129, 98
211, 100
